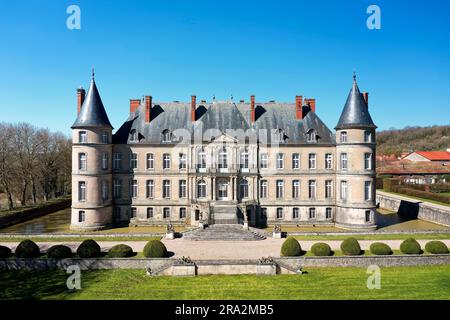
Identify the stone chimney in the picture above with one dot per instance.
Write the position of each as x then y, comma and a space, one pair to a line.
299, 107
134, 104
148, 106
366, 98
311, 103
252, 109
193, 107
81, 94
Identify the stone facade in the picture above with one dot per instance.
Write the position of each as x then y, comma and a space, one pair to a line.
143, 174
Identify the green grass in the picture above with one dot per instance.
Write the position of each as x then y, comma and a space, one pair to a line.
71, 239
420, 199
419, 236
428, 282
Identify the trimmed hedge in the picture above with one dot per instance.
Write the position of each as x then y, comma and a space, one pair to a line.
120, 251
155, 249
291, 248
89, 249
436, 247
27, 249
380, 249
59, 252
321, 249
421, 194
5, 252
351, 247
410, 246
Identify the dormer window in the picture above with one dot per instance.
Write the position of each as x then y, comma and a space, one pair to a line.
166, 136
133, 136
279, 136
311, 135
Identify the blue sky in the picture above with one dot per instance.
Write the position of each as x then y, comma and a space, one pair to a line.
273, 49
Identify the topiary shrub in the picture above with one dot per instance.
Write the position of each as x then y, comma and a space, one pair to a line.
89, 249
291, 248
436, 247
380, 249
5, 252
350, 247
120, 251
155, 249
410, 246
27, 249
59, 252
321, 249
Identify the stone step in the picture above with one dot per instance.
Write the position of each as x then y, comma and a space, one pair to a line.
231, 232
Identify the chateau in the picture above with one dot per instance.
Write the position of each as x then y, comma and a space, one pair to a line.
223, 162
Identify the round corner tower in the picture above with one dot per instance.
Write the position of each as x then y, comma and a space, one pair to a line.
355, 171
91, 164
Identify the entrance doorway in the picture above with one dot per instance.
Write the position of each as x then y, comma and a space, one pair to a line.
222, 189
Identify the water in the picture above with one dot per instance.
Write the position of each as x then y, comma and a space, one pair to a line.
58, 221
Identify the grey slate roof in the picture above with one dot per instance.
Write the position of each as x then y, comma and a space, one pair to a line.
356, 112
92, 113
223, 116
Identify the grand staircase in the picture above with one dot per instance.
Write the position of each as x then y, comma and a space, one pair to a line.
224, 213
230, 232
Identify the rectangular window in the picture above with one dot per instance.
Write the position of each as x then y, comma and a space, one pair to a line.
223, 161
244, 159
134, 189
150, 160
368, 216
82, 137
328, 189
201, 189
116, 214
150, 189
367, 161
263, 189
295, 212
183, 161
166, 213
117, 161
295, 161
312, 189
105, 190
105, 160
182, 190
166, 189
182, 213
280, 161
343, 136
344, 190
82, 161
105, 137
264, 161
149, 213
367, 190
312, 213
295, 189
117, 188
243, 189
166, 161
312, 160
328, 213
367, 136
82, 191
133, 161
81, 216
133, 212
328, 161
344, 161
280, 189
279, 213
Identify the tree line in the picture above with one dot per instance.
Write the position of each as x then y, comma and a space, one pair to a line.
394, 141
35, 164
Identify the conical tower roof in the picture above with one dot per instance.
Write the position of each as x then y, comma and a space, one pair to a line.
92, 113
356, 112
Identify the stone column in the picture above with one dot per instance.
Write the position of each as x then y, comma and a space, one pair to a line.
214, 188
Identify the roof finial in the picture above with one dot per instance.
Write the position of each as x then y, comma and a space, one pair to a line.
93, 73
354, 76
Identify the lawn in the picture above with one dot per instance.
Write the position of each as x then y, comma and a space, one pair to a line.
419, 236
420, 199
430, 282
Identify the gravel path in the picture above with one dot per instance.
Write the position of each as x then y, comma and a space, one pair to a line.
223, 249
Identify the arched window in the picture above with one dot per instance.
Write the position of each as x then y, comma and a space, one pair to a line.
311, 135
201, 189
133, 136
166, 136
243, 188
